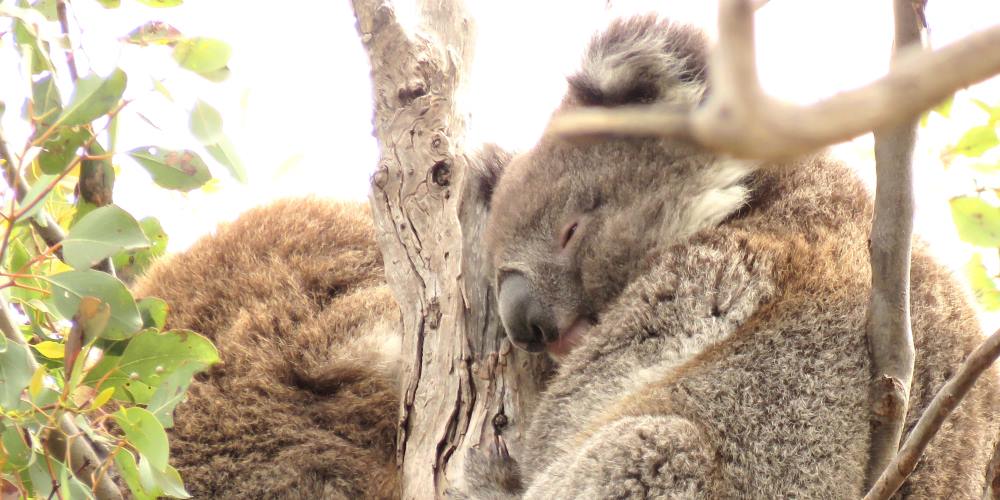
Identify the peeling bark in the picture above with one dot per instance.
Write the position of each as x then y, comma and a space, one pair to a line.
462, 384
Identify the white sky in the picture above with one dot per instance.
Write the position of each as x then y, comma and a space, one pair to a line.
298, 103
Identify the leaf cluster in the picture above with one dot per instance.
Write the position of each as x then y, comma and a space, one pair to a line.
76, 342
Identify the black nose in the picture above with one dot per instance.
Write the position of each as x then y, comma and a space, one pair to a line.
528, 322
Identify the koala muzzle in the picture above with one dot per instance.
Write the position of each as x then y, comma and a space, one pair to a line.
529, 323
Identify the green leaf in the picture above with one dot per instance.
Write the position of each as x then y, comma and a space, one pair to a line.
26, 37
181, 170
42, 472
166, 483
129, 470
47, 8
18, 451
41, 184
133, 263
146, 435
94, 96
170, 393
161, 3
205, 123
100, 234
49, 349
110, 4
976, 141
984, 286
149, 358
154, 312
224, 153
60, 148
15, 373
45, 100
219, 75
202, 55
70, 287
154, 33
992, 111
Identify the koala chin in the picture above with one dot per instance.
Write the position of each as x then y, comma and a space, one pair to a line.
708, 313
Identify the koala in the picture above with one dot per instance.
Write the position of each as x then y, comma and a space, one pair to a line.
304, 403
708, 314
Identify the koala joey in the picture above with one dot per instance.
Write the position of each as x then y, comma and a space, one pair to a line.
708, 313
304, 402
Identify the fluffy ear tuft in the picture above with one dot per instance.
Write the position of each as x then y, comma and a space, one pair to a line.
486, 166
640, 60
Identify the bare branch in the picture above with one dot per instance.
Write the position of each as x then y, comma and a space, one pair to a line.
64, 25
941, 406
83, 457
765, 128
890, 341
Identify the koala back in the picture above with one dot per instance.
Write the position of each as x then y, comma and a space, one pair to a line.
304, 401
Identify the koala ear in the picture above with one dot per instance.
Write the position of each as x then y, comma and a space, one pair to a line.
485, 168
641, 60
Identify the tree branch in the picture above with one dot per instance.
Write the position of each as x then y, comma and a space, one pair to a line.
941, 406
84, 456
890, 341
462, 385
739, 119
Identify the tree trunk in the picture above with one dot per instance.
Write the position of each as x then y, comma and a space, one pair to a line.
462, 384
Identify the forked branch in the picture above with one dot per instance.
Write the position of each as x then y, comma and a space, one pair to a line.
738, 118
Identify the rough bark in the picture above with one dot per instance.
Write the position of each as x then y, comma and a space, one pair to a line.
462, 384
890, 341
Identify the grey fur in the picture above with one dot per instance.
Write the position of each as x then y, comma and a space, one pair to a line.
728, 356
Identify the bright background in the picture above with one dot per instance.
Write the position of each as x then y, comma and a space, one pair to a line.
298, 103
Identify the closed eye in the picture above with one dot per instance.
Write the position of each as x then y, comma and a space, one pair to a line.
568, 233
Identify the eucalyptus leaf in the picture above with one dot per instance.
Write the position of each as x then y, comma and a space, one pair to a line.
149, 358
146, 435
69, 288
129, 470
15, 373
181, 170
976, 141
94, 96
154, 312
100, 234
983, 285
131, 264
154, 33
224, 153
205, 123
170, 393
167, 483
202, 55
18, 451
161, 3
35, 192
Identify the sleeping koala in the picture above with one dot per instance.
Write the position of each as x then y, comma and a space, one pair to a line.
708, 313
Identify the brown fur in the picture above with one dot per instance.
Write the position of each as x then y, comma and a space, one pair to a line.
304, 402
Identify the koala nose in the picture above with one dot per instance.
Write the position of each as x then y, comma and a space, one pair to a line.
528, 322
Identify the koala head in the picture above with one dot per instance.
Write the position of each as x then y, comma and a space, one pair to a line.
572, 224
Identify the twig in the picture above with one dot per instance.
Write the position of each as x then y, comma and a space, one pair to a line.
890, 340
739, 119
64, 25
50, 231
941, 406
